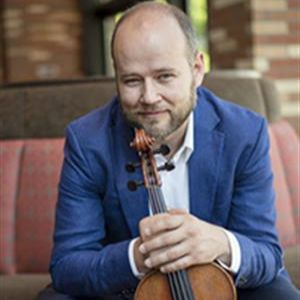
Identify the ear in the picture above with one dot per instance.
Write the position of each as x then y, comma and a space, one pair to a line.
199, 69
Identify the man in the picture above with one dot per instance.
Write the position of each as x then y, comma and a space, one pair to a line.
220, 196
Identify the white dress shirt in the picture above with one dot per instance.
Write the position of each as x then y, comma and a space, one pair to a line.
177, 195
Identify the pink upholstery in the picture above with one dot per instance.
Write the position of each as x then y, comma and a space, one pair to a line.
289, 148
10, 156
36, 202
285, 223
29, 196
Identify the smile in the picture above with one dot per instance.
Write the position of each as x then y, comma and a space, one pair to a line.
151, 113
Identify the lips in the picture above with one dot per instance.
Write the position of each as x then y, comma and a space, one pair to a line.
151, 113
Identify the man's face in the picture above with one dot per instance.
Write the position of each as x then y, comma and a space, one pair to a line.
156, 83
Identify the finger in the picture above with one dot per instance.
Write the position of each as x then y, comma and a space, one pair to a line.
158, 223
178, 211
166, 255
181, 263
162, 240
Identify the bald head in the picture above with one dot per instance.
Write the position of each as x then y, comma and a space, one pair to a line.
152, 17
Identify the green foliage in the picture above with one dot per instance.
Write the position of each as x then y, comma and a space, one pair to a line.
197, 10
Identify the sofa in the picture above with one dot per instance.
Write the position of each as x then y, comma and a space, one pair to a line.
31, 152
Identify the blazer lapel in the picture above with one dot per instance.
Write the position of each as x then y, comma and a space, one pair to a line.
133, 203
205, 160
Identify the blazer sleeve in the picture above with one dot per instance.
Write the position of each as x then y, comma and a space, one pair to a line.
252, 217
82, 264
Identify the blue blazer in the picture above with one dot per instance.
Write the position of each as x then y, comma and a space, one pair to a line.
230, 184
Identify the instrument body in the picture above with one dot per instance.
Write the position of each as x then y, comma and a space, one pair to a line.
201, 282
208, 282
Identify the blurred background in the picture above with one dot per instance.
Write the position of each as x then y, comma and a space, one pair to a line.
46, 40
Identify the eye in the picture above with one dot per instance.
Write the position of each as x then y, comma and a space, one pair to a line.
132, 81
165, 77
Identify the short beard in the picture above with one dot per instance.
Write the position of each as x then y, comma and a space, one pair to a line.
161, 133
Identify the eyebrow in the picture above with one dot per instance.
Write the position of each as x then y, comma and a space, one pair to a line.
160, 70
166, 70
129, 75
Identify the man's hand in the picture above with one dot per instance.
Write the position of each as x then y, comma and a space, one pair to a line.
177, 240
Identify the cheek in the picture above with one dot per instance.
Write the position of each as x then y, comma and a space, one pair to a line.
176, 96
129, 97
179, 90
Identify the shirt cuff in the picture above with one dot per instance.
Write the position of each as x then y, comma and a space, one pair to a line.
133, 267
235, 254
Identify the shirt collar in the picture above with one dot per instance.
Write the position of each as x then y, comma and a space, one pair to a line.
187, 147
183, 154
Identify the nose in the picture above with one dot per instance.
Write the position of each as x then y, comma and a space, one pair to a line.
150, 93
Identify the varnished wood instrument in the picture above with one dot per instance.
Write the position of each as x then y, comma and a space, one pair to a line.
200, 282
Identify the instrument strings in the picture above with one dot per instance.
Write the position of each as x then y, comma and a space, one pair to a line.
179, 282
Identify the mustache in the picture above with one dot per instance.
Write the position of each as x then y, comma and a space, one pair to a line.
151, 108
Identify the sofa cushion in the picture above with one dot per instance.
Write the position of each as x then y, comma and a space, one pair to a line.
241, 90
292, 263
21, 105
285, 223
10, 156
271, 100
289, 148
22, 286
35, 207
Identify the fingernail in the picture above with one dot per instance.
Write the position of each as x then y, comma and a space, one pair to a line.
142, 249
148, 263
147, 231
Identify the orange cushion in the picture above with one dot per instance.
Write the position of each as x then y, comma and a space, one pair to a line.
285, 224
10, 156
36, 203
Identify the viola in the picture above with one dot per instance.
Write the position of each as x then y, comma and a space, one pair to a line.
200, 282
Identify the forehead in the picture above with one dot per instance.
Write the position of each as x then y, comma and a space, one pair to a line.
148, 35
